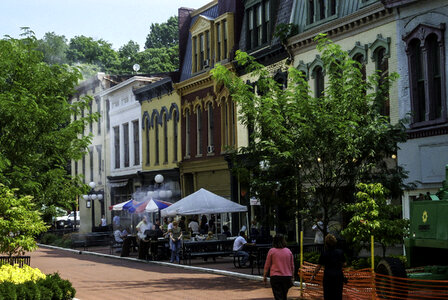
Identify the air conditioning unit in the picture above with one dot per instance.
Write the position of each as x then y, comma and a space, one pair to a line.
206, 63
210, 149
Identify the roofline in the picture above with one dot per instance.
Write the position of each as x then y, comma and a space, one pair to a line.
129, 81
203, 8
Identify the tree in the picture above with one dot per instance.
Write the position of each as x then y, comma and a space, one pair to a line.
20, 223
37, 137
373, 215
163, 35
317, 149
54, 48
156, 60
84, 49
128, 56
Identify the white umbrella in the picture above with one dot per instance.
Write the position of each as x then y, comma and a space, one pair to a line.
119, 206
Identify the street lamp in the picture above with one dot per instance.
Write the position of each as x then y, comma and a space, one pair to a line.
90, 200
162, 192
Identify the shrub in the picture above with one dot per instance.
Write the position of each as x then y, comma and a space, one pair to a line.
50, 287
15, 274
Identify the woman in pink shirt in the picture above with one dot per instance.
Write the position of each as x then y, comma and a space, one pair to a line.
280, 264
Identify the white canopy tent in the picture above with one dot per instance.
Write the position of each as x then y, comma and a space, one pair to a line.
202, 202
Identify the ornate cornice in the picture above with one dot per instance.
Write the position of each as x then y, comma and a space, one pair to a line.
359, 19
194, 84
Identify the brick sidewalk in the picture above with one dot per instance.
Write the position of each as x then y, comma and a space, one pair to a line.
97, 277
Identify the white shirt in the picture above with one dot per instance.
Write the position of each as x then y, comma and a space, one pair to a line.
142, 227
319, 236
103, 222
116, 220
194, 226
117, 236
239, 243
170, 226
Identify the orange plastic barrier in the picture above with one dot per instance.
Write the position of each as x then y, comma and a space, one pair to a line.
363, 284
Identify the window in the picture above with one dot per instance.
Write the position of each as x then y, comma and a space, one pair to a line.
218, 41
319, 85
147, 144
201, 51
84, 168
198, 131
232, 122
165, 138
426, 61
91, 163
98, 109
224, 34
226, 121
258, 24
126, 144
76, 168
210, 126
175, 135
382, 67
136, 135
99, 151
187, 133
90, 113
156, 146
195, 54
117, 146
321, 9
107, 115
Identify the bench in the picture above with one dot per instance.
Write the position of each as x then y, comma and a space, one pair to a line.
91, 239
206, 249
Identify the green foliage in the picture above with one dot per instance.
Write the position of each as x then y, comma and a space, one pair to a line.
52, 287
19, 223
316, 148
311, 257
373, 215
164, 35
54, 48
37, 137
56, 240
84, 49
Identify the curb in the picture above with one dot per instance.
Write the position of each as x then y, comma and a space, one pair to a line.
161, 263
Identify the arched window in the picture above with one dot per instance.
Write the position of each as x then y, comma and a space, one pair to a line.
165, 138
318, 75
198, 131
232, 122
426, 63
225, 119
210, 124
187, 133
147, 143
175, 135
156, 142
382, 67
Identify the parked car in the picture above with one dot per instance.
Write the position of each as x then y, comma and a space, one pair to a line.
67, 220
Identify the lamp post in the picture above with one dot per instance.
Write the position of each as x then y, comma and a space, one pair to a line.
90, 201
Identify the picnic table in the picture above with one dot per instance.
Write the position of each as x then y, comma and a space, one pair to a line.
206, 249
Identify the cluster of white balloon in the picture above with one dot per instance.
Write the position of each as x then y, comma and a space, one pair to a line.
161, 193
92, 195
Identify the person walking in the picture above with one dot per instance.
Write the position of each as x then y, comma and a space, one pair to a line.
333, 260
280, 265
175, 242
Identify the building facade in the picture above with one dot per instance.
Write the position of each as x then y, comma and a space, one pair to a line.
161, 139
125, 122
422, 66
208, 114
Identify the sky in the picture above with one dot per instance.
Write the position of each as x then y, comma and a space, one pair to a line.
116, 21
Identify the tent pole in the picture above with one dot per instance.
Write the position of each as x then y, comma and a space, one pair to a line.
247, 223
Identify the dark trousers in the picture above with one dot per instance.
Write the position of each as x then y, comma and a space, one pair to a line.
280, 286
143, 250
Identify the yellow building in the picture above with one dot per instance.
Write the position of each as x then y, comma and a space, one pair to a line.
161, 138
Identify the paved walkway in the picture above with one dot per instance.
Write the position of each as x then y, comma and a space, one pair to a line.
98, 277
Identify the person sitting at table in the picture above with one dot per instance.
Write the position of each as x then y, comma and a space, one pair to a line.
238, 248
226, 231
194, 226
120, 235
175, 242
182, 224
